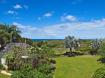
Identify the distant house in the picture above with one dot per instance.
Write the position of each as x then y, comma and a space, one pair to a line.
9, 47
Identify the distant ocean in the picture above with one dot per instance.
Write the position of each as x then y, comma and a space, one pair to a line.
45, 39
54, 39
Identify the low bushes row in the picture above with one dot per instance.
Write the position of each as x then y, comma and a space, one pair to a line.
72, 54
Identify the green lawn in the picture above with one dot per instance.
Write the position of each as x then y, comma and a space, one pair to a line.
3, 76
76, 67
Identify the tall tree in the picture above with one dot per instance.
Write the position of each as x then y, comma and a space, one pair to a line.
9, 33
4, 35
72, 43
14, 33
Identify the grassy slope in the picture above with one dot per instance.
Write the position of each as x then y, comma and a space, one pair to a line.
76, 67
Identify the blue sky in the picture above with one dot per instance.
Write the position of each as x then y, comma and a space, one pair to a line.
55, 19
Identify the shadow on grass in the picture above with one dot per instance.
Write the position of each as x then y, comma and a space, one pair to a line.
72, 54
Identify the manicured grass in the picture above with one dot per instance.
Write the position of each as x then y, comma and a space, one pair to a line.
76, 67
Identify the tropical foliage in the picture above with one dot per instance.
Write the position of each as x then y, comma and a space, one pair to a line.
36, 58
10, 34
26, 62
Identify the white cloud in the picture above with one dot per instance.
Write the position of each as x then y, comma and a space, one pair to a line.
17, 6
48, 14
11, 12
68, 18
90, 29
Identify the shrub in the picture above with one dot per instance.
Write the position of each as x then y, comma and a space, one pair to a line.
52, 61
100, 73
102, 59
101, 50
28, 72
36, 65
95, 45
1, 66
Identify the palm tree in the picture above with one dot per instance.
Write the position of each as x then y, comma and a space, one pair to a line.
8, 34
14, 33
4, 37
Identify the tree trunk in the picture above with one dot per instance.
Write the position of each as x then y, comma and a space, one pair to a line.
70, 49
11, 37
